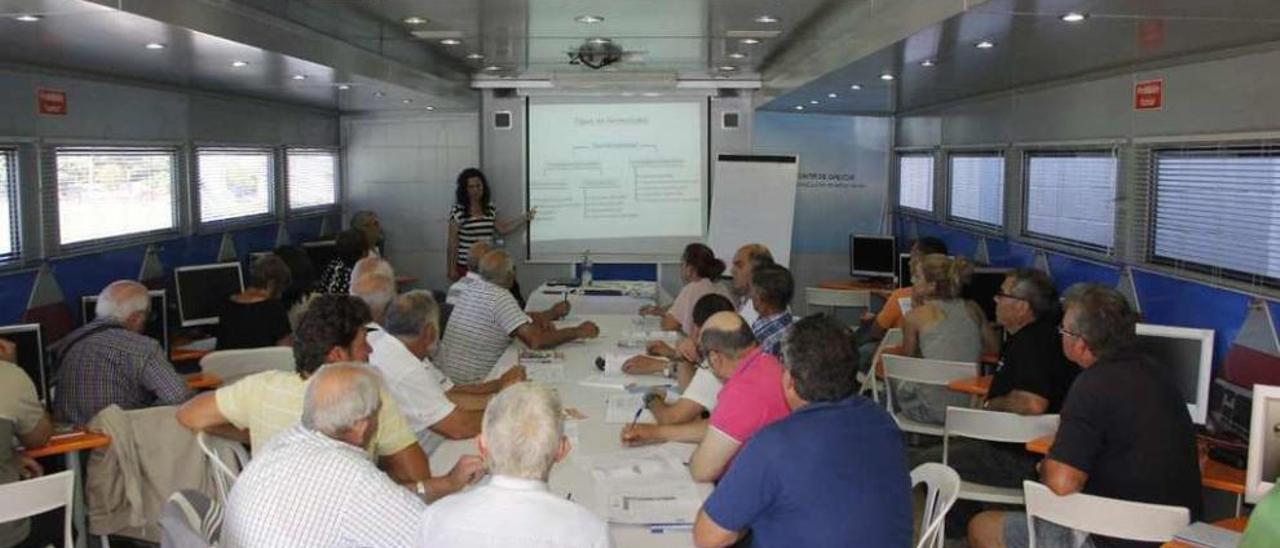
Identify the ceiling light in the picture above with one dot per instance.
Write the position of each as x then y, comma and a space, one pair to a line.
855, 87
239, 64
475, 56
813, 101
450, 42
29, 18
1074, 17
750, 41
799, 107
379, 94
429, 107
599, 41
766, 19
651, 94
299, 77
155, 45
887, 77
985, 44
728, 68
588, 19
415, 20
832, 96
407, 101
344, 87
493, 68
737, 55
926, 63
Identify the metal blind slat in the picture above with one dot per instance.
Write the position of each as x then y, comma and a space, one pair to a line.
8, 215
233, 183
313, 178
108, 192
915, 181
977, 188
1072, 197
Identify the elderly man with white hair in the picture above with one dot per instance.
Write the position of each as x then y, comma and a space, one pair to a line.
109, 361
315, 485
376, 290
523, 438
478, 250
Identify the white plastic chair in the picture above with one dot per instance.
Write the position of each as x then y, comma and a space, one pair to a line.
837, 298
232, 365
190, 520
924, 372
1109, 517
218, 453
941, 486
27, 498
869, 381
993, 426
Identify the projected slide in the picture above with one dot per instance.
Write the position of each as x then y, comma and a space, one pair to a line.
600, 173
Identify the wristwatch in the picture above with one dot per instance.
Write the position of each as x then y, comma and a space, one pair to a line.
421, 489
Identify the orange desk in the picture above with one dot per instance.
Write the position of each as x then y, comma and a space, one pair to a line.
974, 386
855, 285
203, 381
181, 355
1233, 524
70, 445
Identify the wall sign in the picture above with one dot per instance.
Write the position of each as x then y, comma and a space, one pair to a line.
1148, 95
52, 102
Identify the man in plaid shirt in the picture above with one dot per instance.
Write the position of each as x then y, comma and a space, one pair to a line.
771, 290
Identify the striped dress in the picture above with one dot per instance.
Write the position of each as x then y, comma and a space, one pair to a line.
473, 229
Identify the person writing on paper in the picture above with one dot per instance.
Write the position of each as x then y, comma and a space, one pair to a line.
699, 386
1125, 432
487, 317
522, 439
897, 304
833, 473
473, 219
700, 270
22, 420
751, 399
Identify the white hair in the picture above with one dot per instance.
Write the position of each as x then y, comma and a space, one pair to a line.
411, 312
522, 430
333, 406
497, 267
376, 290
122, 299
372, 265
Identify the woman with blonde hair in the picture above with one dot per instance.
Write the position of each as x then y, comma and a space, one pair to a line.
940, 326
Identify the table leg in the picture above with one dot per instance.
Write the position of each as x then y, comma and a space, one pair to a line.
1239, 504
78, 514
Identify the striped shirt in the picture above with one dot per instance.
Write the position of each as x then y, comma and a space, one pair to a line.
480, 329
306, 489
114, 366
769, 331
472, 229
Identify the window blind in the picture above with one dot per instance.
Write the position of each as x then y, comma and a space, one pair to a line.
313, 177
233, 183
977, 188
1071, 196
8, 214
915, 181
108, 192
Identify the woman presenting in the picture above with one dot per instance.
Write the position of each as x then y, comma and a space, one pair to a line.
474, 219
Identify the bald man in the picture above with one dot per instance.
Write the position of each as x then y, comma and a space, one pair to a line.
109, 361
478, 250
751, 399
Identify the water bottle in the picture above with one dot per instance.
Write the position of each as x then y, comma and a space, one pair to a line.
586, 268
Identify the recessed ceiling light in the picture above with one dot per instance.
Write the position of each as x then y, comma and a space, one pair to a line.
651, 94
588, 19
155, 45
887, 77
475, 56
429, 107
728, 68
599, 41
415, 20
813, 101
299, 77
407, 101
1074, 17
750, 41
344, 87
29, 18
239, 64
799, 107
985, 44
493, 68
766, 19
832, 96
450, 42
926, 63
855, 87
379, 94
737, 55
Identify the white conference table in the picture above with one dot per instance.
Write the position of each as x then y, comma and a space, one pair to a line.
633, 295
594, 435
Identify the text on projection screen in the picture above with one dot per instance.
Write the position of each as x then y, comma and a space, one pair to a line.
616, 172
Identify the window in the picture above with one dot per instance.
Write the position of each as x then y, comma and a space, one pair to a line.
915, 181
233, 183
977, 188
313, 178
1219, 210
1071, 196
8, 183
113, 192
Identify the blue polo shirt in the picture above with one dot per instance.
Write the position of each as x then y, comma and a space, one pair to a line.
831, 474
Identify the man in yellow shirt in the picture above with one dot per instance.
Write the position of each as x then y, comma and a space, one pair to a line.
332, 330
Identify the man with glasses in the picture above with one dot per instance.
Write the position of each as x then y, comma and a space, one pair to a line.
1125, 432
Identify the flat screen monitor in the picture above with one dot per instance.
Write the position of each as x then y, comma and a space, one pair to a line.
904, 269
1264, 444
1189, 353
203, 289
321, 253
157, 321
30, 355
983, 287
874, 256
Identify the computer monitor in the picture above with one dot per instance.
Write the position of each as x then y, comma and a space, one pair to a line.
1189, 352
321, 253
1264, 444
904, 269
873, 256
203, 289
157, 322
30, 355
983, 287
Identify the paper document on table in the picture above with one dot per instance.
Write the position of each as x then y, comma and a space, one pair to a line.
648, 485
541, 356
545, 373
623, 382
666, 503
621, 409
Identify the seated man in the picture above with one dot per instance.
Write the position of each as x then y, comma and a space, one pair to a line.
1125, 432
751, 399
478, 250
699, 385
377, 290
109, 361
332, 330
22, 419
314, 485
523, 438
771, 291
748, 258
400, 351
896, 305
834, 473
487, 317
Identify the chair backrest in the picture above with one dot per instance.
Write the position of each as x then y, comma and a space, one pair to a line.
190, 520
892, 338
1092, 514
27, 498
922, 371
942, 486
819, 296
997, 426
232, 365
219, 454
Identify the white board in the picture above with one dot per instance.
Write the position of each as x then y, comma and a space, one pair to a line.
753, 200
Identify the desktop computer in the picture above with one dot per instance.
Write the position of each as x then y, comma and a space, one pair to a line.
30, 355
872, 256
202, 291
983, 287
157, 322
321, 253
1188, 353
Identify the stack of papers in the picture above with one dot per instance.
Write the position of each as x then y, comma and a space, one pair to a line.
621, 409
645, 486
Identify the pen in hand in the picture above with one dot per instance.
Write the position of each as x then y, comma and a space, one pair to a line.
636, 418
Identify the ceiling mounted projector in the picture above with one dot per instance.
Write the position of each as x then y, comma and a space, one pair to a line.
596, 53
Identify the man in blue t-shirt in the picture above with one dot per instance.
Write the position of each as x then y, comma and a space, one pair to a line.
849, 484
